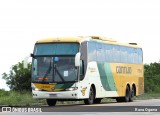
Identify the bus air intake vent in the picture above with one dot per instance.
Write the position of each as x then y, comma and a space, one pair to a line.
103, 38
133, 43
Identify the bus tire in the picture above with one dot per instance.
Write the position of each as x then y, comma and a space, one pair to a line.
51, 102
91, 98
131, 98
127, 96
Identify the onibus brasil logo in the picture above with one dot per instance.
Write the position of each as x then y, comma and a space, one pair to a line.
21, 109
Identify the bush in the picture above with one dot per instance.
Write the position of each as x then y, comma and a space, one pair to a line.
3, 93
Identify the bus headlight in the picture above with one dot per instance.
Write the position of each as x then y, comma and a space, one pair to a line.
72, 89
36, 89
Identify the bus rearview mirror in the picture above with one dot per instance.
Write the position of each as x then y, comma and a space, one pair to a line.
77, 59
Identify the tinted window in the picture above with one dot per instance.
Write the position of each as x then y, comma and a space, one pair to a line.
140, 55
100, 52
56, 49
92, 51
108, 52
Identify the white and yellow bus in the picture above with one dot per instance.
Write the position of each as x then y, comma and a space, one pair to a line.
86, 68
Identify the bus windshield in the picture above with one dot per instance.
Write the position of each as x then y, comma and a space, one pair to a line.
54, 69
54, 64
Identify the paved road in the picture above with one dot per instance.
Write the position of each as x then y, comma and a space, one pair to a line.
148, 107
137, 105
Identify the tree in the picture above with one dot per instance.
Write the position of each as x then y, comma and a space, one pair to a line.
152, 77
19, 78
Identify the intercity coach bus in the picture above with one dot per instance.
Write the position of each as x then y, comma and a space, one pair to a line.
86, 68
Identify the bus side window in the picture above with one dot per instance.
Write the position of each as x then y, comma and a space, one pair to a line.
108, 53
140, 56
130, 55
136, 56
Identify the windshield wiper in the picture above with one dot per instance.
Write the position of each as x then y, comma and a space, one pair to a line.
59, 74
48, 71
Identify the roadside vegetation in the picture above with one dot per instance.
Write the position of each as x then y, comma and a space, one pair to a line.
152, 78
19, 80
148, 96
15, 98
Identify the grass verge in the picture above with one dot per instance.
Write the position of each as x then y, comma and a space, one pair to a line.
148, 96
13, 98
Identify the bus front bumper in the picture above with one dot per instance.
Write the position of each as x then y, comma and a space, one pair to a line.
55, 95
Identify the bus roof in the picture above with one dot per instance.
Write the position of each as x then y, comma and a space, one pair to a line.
61, 39
79, 39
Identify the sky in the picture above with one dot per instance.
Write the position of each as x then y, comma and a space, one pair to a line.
23, 22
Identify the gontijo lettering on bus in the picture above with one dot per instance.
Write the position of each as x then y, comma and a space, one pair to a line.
123, 70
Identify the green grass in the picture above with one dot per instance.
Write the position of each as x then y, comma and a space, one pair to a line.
13, 98
148, 96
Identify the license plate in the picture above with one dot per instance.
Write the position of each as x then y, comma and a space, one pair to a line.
53, 95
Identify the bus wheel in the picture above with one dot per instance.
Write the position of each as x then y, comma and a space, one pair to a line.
91, 98
126, 98
97, 101
131, 95
51, 102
